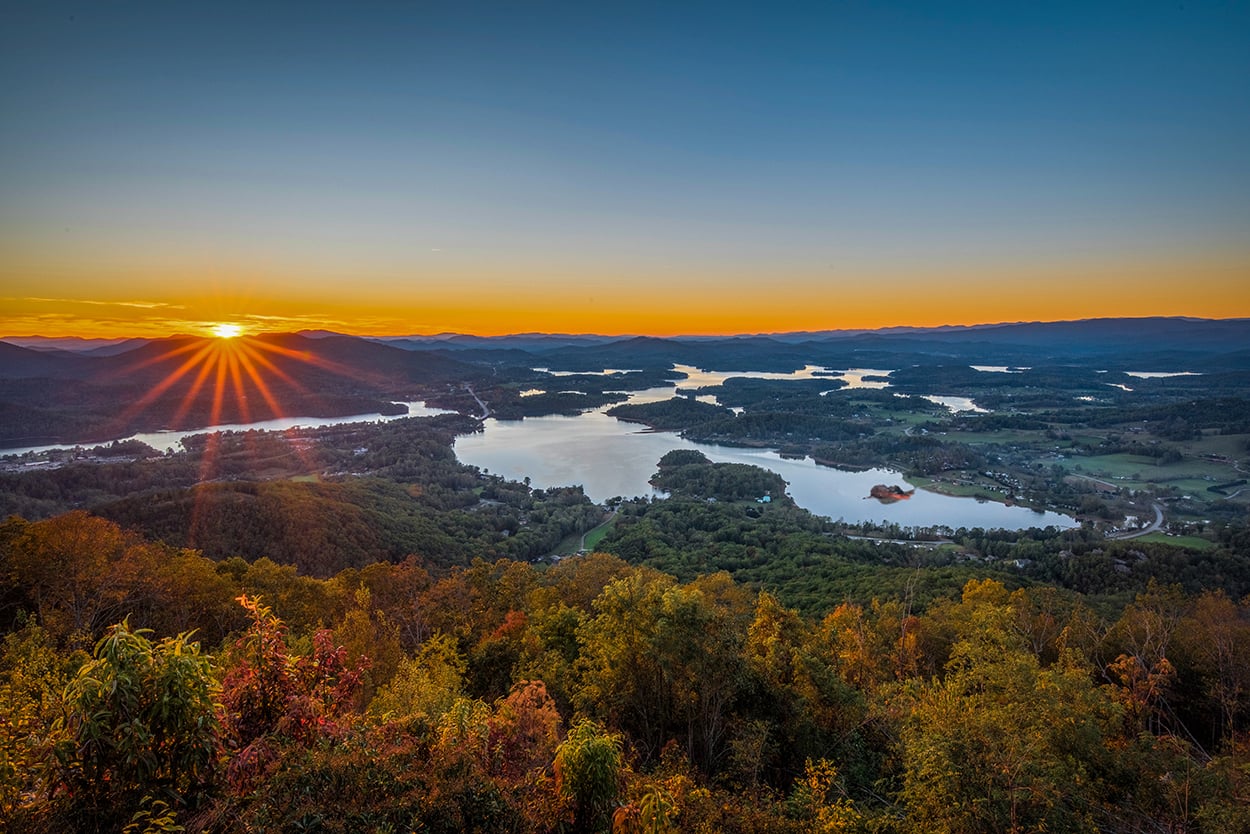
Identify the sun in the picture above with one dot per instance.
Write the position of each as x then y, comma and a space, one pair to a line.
231, 377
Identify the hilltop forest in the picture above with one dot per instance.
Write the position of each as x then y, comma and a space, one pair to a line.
149, 688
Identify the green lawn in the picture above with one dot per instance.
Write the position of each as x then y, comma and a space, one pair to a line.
596, 535
568, 545
1191, 542
1196, 487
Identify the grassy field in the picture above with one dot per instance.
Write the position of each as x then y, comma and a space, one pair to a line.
1229, 445
573, 543
1196, 487
1140, 468
958, 490
596, 535
1192, 542
1010, 437
899, 422
568, 545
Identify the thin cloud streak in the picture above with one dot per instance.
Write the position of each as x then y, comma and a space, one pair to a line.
141, 305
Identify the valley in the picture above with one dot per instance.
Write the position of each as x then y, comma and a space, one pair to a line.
1002, 434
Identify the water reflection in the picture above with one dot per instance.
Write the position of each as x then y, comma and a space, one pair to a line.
956, 404
165, 441
855, 378
604, 372
1160, 374
1000, 369
699, 378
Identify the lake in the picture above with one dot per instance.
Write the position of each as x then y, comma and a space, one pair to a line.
608, 458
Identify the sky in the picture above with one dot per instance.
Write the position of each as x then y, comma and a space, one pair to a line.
391, 168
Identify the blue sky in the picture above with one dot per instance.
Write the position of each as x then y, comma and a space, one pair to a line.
274, 151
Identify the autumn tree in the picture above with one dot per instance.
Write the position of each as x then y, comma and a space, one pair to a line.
1142, 673
550, 647
140, 720
424, 686
662, 660
699, 642
271, 696
71, 570
578, 582
1215, 635
524, 731
622, 680
588, 772
366, 632
1001, 744
33, 676
800, 705
395, 590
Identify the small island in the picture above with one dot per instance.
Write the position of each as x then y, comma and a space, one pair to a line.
890, 494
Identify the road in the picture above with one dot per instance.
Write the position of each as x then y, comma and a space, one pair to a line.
482, 405
1153, 527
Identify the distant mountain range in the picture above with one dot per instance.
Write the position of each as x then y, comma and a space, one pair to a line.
61, 389
1060, 337
74, 344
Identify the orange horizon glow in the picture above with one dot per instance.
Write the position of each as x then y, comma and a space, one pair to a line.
746, 300
141, 331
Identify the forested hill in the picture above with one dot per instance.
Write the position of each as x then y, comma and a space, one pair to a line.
185, 383
147, 688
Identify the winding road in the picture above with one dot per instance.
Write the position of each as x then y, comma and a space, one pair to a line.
1153, 527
